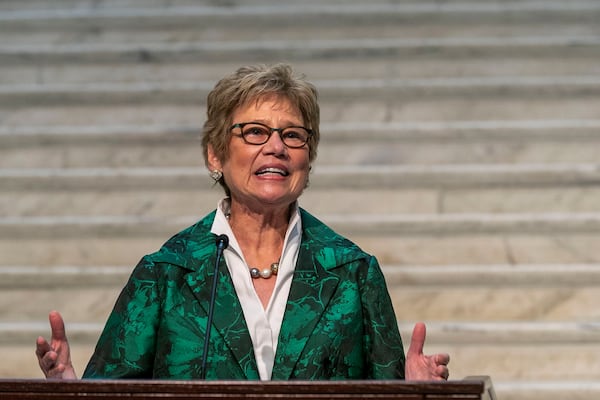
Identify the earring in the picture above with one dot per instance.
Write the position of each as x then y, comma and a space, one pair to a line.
216, 175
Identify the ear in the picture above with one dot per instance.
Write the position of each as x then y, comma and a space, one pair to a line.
213, 161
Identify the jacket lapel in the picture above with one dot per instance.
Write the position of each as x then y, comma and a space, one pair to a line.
230, 325
198, 254
312, 288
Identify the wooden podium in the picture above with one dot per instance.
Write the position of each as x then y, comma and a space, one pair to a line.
40, 389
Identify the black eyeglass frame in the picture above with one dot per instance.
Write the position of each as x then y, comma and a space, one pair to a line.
271, 130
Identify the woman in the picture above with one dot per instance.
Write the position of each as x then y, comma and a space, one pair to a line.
295, 300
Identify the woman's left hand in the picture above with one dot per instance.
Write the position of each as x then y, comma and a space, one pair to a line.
421, 367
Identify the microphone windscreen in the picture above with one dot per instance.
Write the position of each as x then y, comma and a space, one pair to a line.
222, 241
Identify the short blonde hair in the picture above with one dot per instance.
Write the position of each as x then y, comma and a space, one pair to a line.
252, 83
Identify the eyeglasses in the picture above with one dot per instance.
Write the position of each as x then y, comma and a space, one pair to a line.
257, 134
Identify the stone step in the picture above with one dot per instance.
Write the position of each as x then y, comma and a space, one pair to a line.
461, 142
158, 202
40, 5
390, 90
584, 46
401, 225
442, 104
367, 190
427, 64
541, 352
482, 292
18, 5
291, 21
362, 177
438, 110
435, 293
66, 277
522, 351
556, 390
428, 239
398, 276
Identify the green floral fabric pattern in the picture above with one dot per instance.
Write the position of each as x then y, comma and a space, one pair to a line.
338, 324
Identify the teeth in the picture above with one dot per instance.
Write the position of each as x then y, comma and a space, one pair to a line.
272, 171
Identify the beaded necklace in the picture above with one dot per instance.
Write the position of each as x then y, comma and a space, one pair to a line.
264, 273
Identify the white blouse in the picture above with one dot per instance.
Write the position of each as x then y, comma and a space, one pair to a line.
264, 324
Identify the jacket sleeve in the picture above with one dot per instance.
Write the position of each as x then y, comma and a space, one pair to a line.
383, 344
126, 346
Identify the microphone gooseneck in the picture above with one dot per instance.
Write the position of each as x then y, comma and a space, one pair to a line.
222, 241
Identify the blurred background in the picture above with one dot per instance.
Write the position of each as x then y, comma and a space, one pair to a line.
460, 145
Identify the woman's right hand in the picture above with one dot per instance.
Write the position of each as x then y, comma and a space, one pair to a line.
55, 357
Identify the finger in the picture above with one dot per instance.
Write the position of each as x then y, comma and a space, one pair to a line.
48, 362
441, 359
56, 372
443, 372
49, 359
57, 326
417, 340
41, 347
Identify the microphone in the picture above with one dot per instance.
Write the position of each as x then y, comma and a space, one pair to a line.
222, 242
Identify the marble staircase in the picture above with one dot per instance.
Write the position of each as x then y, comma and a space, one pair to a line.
460, 142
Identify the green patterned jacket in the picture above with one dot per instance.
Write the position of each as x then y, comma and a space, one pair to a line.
338, 323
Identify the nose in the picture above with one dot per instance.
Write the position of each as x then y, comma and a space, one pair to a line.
275, 144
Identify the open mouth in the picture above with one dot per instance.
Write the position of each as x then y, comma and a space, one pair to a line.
277, 171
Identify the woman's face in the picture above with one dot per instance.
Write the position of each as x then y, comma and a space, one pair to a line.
270, 174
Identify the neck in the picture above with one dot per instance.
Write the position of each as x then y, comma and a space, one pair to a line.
259, 231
